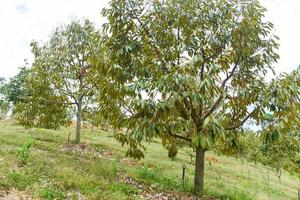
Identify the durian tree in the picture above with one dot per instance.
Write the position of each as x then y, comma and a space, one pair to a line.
64, 63
39, 105
12, 91
185, 70
280, 130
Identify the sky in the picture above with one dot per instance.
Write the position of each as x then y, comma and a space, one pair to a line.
22, 21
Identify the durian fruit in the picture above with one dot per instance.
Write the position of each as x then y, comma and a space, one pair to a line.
181, 109
172, 151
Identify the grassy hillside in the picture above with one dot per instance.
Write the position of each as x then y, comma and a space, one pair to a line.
97, 169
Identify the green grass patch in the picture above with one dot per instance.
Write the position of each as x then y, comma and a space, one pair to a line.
53, 170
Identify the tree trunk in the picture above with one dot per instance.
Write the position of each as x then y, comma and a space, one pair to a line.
78, 122
199, 171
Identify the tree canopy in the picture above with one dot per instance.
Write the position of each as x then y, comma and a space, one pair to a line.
12, 91
63, 62
14, 88
186, 70
40, 106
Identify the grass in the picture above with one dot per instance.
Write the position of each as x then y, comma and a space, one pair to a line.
49, 168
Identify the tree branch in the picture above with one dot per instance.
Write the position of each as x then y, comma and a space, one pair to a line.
235, 126
155, 44
182, 137
221, 97
203, 65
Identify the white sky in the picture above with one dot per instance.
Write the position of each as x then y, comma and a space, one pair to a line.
22, 21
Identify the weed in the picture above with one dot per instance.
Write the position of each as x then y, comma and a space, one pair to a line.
23, 153
124, 188
19, 180
240, 194
154, 177
234, 193
51, 193
271, 190
115, 168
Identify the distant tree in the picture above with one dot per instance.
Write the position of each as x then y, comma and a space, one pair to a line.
232, 144
280, 130
64, 63
283, 153
13, 90
3, 103
185, 70
2, 80
283, 102
39, 105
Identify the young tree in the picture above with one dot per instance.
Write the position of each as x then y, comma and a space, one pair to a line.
39, 106
280, 130
13, 90
283, 153
64, 62
185, 70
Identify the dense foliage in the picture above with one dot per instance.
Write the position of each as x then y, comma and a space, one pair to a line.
61, 77
186, 70
192, 73
12, 91
40, 106
276, 143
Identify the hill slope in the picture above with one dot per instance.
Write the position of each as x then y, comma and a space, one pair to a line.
52, 169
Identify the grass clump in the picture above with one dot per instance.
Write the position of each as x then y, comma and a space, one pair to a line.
18, 180
51, 193
123, 188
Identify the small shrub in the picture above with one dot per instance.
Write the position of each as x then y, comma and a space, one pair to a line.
114, 169
23, 153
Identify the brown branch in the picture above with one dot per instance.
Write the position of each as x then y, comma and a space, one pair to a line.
178, 43
214, 107
243, 121
221, 97
86, 103
178, 136
182, 137
203, 65
66, 92
69, 90
230, 74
